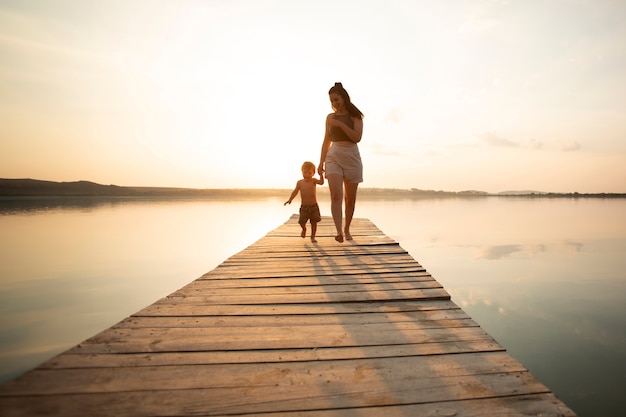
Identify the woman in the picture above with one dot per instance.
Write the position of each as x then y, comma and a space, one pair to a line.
340, 159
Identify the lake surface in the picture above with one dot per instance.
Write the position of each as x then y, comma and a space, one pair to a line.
546, 277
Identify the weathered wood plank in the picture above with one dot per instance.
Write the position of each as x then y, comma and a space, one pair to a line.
162, 309
300, 290
327, 263
372, 259
196, 402
72, 360
341, 297
323, 391
425, 317
287, 272
195, 340
296, 281
364, 236
371, 373
352, 250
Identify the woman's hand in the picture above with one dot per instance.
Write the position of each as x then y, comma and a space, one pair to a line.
332, 122
320, 170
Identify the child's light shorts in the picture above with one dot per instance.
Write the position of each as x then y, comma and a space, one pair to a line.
344, 159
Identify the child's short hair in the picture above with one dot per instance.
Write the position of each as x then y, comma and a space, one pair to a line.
308, 165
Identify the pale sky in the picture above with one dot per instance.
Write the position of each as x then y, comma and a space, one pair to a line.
488, 95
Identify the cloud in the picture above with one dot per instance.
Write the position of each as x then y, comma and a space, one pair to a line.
492, 139
378, 149
535, 144
394, 116
495, 140
570, 146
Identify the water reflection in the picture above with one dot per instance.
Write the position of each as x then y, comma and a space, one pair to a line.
497, 252
545, 277
555, 298
25, 205
69, 269
573, 247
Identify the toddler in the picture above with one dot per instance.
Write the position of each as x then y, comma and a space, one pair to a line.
309, 210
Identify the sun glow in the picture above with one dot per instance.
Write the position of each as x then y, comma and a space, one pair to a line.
234, 94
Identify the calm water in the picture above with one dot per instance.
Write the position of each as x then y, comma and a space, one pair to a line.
545, 277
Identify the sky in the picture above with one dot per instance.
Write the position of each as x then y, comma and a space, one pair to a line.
490, 95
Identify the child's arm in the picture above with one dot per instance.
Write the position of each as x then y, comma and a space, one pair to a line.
293, 194
321, 180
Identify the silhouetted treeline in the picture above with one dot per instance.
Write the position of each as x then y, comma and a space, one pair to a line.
39, 188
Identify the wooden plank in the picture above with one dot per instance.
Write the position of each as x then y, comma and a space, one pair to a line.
363, 237
425, 317
346, 297
306, 262
202, 402
79, 359
313, 272
163, 309
353, 251
300, 290
195, 340
352, 375
342, 258
302, 280
274, 244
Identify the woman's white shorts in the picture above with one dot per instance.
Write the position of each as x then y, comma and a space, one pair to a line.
343, 158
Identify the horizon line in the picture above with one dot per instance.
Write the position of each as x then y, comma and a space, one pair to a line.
43, 183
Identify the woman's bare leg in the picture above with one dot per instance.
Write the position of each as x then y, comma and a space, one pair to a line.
335, 185
351, 189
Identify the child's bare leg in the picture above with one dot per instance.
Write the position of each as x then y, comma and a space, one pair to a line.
303, 226
313, 231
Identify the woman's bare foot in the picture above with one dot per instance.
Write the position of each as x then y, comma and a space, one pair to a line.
313, 240
303, 234
339, 238
348, 235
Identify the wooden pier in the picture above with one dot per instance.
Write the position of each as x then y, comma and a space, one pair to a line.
291, 328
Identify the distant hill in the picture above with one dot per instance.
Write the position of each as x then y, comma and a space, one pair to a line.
27, 187
37, 188
524, 192
30, 187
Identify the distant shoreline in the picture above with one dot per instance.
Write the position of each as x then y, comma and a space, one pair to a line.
17, 188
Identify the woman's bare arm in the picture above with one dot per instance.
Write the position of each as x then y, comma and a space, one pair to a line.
353, 134
325, 145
